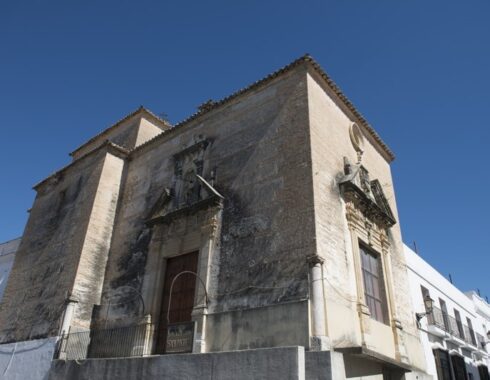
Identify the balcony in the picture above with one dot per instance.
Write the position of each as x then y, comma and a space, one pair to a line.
443, 325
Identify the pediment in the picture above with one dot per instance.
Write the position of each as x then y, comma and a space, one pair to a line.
366, 194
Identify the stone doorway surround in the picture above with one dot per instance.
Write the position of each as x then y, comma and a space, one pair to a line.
180, 235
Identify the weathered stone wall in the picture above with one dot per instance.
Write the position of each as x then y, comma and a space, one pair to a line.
64, 249
330, 121
87, 285
47, 259
260, 153
7, 255
275, 153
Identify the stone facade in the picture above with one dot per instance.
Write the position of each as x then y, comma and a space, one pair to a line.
260, 185
7, 255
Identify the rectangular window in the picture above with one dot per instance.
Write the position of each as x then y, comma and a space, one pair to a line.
459, 324
374, 290
471, 332
483, 371
425, 292
459, 367
445, 315
443, 365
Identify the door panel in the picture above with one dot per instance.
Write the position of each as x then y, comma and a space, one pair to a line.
183, 291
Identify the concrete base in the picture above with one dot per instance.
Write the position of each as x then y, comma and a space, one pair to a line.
285, 363
324, 365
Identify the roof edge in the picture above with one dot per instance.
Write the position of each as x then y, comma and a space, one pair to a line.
140, 109
350, 106
110, 146
305, 59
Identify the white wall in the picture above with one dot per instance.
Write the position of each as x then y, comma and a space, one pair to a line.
482, 309
420, 273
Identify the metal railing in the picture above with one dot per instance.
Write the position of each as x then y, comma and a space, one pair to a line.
127, 341
456, 328
481, 341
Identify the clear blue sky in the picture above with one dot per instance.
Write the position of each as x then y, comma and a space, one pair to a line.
417, 70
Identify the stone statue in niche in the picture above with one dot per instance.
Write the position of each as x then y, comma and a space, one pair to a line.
189, 186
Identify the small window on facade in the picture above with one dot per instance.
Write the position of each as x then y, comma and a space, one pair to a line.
445, 315
443, 365
483, 372
459, 367
471, 332
374, 290
460, 331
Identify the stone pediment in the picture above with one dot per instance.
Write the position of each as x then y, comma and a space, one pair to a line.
190, 192
165, 209
366, 194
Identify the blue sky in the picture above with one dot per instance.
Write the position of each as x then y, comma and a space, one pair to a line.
417, 70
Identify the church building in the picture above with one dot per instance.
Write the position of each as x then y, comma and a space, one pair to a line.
258, 236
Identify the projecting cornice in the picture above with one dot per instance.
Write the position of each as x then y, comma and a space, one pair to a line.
115, 149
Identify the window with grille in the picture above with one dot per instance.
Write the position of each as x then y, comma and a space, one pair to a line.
459, 323
471, 332
443, 365
445, 315
483, 371
374, 289
459, 367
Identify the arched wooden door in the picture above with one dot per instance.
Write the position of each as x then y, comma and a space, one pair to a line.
183, 292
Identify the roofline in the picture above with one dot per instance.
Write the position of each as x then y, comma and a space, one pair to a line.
305, 59
212, 105
316, 66
140, 109
112, 147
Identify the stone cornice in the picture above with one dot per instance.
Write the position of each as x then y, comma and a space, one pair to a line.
366, 205
212, 201
115, 149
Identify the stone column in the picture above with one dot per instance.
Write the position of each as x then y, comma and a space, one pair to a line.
319, 339
71, 303
204, 281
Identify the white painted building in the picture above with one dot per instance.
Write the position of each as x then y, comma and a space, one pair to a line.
7, 254
454, 334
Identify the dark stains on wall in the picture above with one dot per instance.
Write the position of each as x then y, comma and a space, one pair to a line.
131, 267
253, 270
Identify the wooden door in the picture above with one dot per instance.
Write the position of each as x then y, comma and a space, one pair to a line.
183, 291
